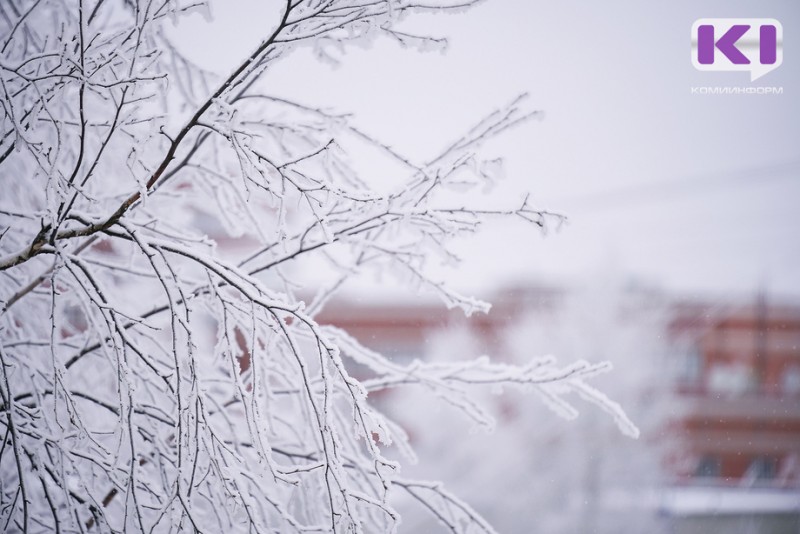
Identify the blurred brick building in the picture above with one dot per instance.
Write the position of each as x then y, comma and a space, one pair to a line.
740, 383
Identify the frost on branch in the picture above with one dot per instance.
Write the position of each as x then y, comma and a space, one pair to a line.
162, 369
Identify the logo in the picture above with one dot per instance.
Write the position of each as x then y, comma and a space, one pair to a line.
754, 45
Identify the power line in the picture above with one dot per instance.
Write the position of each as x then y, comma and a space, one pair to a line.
665, 191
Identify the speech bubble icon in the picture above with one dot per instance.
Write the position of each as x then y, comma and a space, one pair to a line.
752, 45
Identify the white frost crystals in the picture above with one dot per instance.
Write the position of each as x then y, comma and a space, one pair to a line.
150, 384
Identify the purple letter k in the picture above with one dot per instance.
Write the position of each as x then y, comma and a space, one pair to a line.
726, 44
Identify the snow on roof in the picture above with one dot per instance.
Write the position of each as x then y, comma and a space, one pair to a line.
686, 501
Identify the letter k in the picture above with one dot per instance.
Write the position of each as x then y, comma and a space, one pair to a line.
726, 44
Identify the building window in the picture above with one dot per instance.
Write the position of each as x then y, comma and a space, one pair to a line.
709, 466
731, 378
790, 381
762, 468
691, 369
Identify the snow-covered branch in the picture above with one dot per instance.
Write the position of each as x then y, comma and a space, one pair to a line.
161, 369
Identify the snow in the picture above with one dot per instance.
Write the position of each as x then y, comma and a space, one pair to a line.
687, 501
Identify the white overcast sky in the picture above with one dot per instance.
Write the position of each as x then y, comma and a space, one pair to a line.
694, 193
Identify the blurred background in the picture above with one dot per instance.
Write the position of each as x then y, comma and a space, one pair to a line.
679, 261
